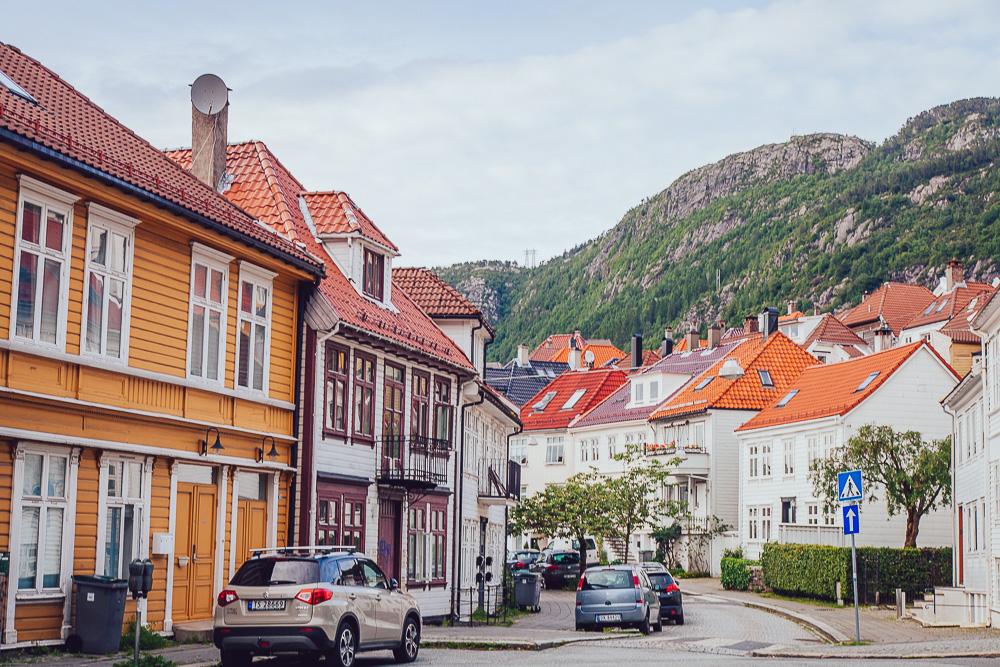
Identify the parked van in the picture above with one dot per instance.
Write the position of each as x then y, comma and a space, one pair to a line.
563, 544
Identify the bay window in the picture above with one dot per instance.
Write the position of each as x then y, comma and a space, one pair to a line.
364, 396
254, 328
207, 317
107, 283
335, 389
123, 514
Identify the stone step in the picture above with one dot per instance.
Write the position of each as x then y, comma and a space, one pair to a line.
193, 632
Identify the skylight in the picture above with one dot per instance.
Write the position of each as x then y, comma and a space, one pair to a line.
704, 383
943, 304
765, 378
542, 404
867, 381
574, 399
9, 84
929, 308
787, 397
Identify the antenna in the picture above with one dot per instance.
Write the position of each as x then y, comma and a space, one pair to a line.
529, 258
209, 94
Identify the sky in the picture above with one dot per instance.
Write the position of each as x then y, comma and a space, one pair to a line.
477, 130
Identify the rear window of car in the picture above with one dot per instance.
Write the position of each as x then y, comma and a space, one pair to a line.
277, 572
565, 559
660, 580
603, 579
527, 557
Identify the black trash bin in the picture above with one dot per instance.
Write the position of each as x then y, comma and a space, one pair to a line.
100, 609
527, 590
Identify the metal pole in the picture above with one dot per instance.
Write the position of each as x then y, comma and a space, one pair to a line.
854, 573
138, 631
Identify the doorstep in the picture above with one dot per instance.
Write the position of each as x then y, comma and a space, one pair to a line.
194, 632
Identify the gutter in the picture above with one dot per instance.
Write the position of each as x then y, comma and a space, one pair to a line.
297, 412
457, 512
315, 269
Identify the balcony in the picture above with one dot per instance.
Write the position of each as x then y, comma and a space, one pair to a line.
799, 533
499, 481
692, 459
415, 463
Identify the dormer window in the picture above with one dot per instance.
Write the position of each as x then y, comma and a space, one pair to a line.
373, 284
544, 402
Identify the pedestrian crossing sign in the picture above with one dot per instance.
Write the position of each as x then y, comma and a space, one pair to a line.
849, 486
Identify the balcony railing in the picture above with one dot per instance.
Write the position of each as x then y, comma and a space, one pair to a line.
416, 462
799, 533
499, 479
671, 449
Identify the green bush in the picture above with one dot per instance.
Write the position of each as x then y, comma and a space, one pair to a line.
148, 640
813, 571
736, 573
733, 553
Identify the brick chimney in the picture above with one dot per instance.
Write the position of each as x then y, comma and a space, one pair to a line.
209, 128
750, 324
714, 334
954, 275
692, 339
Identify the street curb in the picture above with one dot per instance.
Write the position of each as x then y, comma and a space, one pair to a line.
764, 653
476, 644
825, 631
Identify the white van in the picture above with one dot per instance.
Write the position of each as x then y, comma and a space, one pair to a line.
564, 544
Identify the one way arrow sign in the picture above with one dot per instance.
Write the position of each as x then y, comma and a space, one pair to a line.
852, 520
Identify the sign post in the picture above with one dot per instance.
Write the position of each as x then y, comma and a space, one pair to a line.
849, 492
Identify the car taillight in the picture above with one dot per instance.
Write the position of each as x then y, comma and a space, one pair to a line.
579, 585
638, 591
672, 588
227, 597
313, 596
552, 567
518, 565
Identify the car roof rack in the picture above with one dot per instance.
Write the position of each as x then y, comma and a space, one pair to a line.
313, 549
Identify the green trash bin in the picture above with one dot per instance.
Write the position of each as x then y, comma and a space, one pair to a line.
100, 609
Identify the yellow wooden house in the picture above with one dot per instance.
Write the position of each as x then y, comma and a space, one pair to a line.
148, 350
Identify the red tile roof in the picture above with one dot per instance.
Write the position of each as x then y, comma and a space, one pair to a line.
269, 191
597, 384
68, 123
650, 357
603, 354
336, 213
551, 346
778, 355
832, 330
895, 303
435, 296
949, 305
832, 389
682, 344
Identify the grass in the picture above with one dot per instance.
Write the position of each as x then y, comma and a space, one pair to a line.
513, 614
810, 601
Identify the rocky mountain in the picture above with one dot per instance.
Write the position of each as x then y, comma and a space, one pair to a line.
818, 219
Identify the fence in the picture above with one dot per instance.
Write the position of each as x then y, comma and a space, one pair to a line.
797, 533
493, 609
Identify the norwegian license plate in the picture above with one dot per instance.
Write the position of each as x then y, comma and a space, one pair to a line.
608, 618
265, 605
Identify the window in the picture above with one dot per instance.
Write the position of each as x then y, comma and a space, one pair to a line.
753, 461
867, 381
420, 405
42, 513
337, 369
518, 451
812, 514
374, 275
637, 388
554, 450
427, 540
654, 390
812, 451
364, 396
995, 475
443, 410
787, 397
753, 523
788, 507
207, 317
544, 401
595, 452
254, 328
41, 263
765, 460
354, 523
765, 523
123, 515
698, 435
374, 577
107, 284
788, 449
704, 383
472, 442
613, 445
334, 526
765, 378
575, 398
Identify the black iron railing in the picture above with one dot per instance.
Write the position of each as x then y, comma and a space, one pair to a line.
499, 478
414, 462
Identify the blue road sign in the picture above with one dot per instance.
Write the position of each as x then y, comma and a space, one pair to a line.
852, 520
849, 486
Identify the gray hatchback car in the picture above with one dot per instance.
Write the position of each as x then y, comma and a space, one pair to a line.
617, 596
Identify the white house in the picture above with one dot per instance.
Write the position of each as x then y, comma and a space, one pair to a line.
818, 412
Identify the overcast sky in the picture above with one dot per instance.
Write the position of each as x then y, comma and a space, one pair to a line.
472, 130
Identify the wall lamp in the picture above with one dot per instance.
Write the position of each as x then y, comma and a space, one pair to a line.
271, 453
216, 446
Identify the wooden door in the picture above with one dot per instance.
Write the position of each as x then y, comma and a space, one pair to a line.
389, 523
251, 528
194, 551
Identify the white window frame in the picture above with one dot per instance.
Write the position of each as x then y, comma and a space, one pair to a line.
213, 260
556, 446
48, 198
765, 460
141, 508
812, 514
257, 277
788, 456
813, 450
753, 461
117, 223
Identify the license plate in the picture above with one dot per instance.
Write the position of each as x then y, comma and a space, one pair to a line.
265, 605
608, 618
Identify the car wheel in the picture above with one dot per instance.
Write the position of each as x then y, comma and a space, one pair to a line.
680, 619
410, 646
659, 626
234, 659
644, 626
345, 646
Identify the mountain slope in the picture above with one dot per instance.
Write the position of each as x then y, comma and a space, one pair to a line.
818, 219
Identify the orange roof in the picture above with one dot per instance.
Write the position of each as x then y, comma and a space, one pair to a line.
435, 296
595, 385
832, 330
788, 317
650, 357
551, 346
336, 213
682, 344
603, 354
778, 355
949, 305
894, 303
832, 389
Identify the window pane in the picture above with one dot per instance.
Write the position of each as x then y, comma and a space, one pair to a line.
258, 356
31, 220
260, 304
50, 301
114, 480
28, 567
128, 531
244, 355
32, 485
116, 305
339, 420
57, 477
98, 246
112, 542
54, 231
51, 562
246, 298
200, 278
27, 276
119, 251
216, 287
197, 341
95, 312
134, 479
214, 332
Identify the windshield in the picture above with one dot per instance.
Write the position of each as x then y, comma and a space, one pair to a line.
277, 572
603, 579
527, 557
660, 580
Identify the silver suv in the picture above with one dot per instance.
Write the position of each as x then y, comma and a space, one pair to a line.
314, 601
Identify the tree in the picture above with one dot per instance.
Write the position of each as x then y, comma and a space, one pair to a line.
572, 510
667, 538
633, 497
913, 475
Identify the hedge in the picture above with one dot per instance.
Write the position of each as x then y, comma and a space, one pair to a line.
736, 573
813, 571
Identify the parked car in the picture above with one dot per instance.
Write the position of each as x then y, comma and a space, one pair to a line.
617, 596
564, 544
669, 591
522, 560
556, 567
653, 566
314, 601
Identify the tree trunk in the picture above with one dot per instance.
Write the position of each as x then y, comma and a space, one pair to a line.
627, 545
582, 541
912, 528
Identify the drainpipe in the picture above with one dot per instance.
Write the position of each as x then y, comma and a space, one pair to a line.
297, 413
506, 510
955, 554
457, 513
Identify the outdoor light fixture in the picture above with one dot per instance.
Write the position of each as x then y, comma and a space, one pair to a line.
271, 453
216, 446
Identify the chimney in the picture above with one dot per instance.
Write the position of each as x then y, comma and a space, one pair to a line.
667, 347
636, 350
815, 309
575, 357
791, 306
882, 339
714, 334
209, 121
692, 339
954, 275
767, 321
522, 355
749, 325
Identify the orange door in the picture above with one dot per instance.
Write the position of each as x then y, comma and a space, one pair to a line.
194, 551
251, 528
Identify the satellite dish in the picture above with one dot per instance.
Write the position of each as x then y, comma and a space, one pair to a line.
209, 94
589, 356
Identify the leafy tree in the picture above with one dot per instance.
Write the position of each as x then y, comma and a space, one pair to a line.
667, 539
913, 475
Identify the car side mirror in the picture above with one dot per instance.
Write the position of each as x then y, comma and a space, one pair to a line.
393, 585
